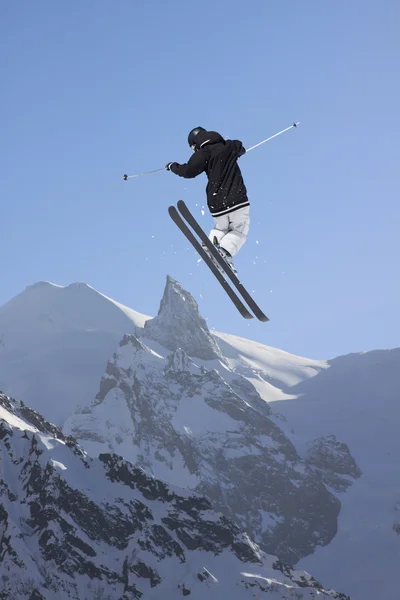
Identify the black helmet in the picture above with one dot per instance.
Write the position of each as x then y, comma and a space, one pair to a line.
193, 134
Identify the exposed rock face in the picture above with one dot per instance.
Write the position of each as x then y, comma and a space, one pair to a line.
186, 424
333, 461
77, 528
180, 325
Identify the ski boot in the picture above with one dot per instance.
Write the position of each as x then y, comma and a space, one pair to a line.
215, 262
227, 258
225, 255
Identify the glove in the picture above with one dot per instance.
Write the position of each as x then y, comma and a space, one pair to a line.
169, 166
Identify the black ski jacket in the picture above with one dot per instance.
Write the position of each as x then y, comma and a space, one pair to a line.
217, 157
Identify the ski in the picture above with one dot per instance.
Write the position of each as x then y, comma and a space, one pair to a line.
187, 215
175, 216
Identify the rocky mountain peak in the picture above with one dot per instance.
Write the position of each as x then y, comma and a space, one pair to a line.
180, 325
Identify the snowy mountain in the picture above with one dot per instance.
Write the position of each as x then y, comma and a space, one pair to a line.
77, 528
55, 342
200, 425
336, 422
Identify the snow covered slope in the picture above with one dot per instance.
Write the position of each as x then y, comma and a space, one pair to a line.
272, 371
82, 529
55, 342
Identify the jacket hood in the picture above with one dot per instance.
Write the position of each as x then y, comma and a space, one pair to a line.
204, 138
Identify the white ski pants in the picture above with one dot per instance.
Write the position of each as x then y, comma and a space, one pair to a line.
231, 230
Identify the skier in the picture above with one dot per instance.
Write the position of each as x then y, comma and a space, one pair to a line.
226, 192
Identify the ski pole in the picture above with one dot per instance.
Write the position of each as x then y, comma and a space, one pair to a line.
273, 136
126, 177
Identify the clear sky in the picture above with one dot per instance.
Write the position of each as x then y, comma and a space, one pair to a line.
91, 90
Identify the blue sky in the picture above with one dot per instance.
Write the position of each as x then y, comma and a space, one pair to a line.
91, 90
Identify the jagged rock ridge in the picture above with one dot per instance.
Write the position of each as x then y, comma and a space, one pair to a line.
82, 529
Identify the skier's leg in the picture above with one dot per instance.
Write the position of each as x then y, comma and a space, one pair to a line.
239, 224
221, 227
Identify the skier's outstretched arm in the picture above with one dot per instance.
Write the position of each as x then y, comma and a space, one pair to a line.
195, 165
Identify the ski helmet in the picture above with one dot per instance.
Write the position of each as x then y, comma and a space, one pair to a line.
193, 134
